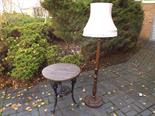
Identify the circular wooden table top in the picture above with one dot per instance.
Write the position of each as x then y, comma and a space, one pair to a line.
61, 72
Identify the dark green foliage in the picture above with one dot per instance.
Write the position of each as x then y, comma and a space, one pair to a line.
3, 51
70, 17
123, 3
1, 69
28, 49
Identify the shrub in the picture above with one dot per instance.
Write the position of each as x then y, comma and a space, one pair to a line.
27, 45
27, 61
52, 54
70, 17
72, 58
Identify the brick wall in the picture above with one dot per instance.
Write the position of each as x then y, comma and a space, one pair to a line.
149, 13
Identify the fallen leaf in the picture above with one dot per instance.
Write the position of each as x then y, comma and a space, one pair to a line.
30, 98
29, 109
49, 94
39, 106
15, 106
9, 104
45, 110
114, 114
1, 110
42, 103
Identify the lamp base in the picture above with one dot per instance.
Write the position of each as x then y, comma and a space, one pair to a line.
92, 102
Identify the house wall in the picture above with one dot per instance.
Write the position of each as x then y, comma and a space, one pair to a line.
35, 11
149, 13
28, 11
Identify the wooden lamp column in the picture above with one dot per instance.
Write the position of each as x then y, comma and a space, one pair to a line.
95, 101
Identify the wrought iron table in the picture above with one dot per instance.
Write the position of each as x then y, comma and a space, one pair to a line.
58, 73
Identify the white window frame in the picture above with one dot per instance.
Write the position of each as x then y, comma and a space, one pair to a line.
148, 1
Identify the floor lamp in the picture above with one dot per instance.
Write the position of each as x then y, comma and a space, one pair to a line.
100, 25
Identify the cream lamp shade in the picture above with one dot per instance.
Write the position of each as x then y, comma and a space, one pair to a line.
100, 23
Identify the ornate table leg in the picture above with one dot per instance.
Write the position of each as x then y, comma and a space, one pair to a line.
55, 87
64, 90
73, 84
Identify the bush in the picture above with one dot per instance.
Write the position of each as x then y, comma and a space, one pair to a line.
74, 59
27, 45
52, 54
70, 17
27, 61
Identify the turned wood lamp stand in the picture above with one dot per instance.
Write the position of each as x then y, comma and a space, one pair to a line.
100, 25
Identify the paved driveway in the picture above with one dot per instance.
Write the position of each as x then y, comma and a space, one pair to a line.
128, 89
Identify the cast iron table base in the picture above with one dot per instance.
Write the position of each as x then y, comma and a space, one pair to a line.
60, 93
